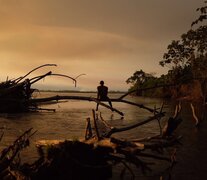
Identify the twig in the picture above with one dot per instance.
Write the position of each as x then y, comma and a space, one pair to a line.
194, 114
88, 132
79, 76
158, 119
95, 125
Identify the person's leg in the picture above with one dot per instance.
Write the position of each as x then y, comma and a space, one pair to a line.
110, 102
97, 106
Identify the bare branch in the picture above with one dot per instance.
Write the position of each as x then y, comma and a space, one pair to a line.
116, 130
20, 78
37, 78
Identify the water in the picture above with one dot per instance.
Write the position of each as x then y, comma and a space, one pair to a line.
69, 122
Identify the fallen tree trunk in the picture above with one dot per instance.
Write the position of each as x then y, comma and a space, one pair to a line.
83, 98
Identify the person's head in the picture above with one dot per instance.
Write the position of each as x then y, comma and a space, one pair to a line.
102, 82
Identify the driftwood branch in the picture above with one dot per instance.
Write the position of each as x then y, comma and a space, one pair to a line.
20, 78
79, 76
95, 124
172, 122
8, 154
116, 130
74, 79
158, 119
88, 132
83, 98
194, 114
37, 78
178, 109
134, 104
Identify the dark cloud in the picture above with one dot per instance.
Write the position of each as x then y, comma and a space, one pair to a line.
91, 36
134, 18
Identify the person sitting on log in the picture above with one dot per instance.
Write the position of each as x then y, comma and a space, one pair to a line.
102, 94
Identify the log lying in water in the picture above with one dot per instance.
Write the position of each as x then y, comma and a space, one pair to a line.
85, 98
82, 98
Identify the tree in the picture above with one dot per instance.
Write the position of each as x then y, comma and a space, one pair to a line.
188, 57
139, 78
190, 52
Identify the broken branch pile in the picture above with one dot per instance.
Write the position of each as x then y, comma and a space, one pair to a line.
15, 95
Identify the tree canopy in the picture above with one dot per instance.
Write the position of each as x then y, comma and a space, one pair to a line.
186, 58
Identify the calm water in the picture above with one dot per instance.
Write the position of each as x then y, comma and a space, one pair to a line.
69, 121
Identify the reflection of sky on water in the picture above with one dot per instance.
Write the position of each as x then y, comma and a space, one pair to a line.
69, 120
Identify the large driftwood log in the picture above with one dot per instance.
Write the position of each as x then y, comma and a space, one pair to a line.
83, 98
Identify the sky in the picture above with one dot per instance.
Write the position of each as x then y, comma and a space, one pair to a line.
105, 39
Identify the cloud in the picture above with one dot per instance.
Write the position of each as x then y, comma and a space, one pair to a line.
105, 39
132, 18
51, 42
100, 55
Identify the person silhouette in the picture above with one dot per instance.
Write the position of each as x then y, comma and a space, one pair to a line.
102, 94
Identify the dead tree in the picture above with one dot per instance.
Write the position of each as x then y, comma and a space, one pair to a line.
15, 94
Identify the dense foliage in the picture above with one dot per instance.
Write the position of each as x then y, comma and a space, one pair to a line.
186, 59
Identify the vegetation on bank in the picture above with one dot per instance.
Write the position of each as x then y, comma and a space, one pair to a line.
187, 62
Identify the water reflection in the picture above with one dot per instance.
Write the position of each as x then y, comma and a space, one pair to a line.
70, 118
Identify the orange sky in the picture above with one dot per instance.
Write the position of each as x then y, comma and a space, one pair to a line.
105, 39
